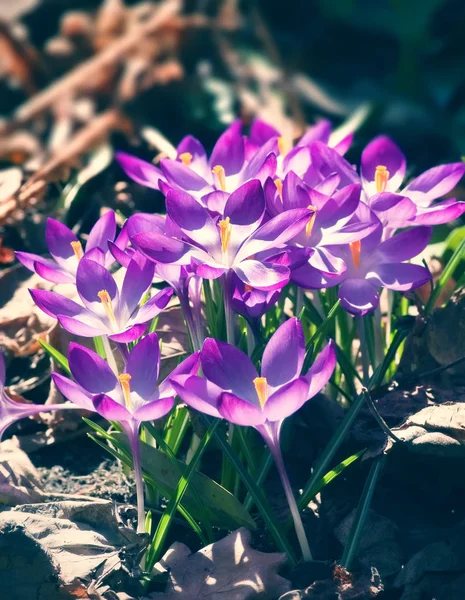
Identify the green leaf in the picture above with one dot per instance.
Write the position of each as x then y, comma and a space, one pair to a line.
56, 355
449, 269
224, 510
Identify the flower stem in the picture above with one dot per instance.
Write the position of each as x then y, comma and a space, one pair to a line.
364, 350
299, 301
228, 311
133, 436
109, 353
275, 449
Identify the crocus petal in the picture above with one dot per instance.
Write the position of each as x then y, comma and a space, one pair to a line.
358, 296
154, 410
110, 409
103, 231
434, 183
326, 262
159, 247
382, 151
442, 212
239, 411
54, 304
144, 222
198, 393
124, 257
261, 132
2, 371
182, 176
74, 392
320, 372
319, 132
52, 272
286, 400
260, 168
229, 150
129, 335
143, 365
90, 370
92, 278
295, 195
284, 354
393, 210
193, 219
137, 281
262, 276
297, 160
210, 271
327, 161
399, 276
152, 307
404, 245
59, 238
343, 145
245, 206
199, 161
341, 206
276, 232
82, 326
188, 366
309, 278
139, 170
229, 368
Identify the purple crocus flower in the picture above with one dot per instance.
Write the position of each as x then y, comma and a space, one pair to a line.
12, 411
67, 251
334, 221
233, 389
192, 171
130, 398
373, 264
106, 310
251, 303
383, 168
217, 247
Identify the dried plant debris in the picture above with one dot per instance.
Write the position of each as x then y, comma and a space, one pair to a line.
229, 569
48, 549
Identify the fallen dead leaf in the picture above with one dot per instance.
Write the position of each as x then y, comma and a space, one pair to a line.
229, 569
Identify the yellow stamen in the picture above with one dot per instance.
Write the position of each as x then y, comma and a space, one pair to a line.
284, 145
219, 172
381, 178
124, 380
105, 299
355, 249
76, 246
186, 158
311, 221
261, 387
225, 233
279, 186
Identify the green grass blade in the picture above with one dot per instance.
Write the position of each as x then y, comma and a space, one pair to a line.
56, 355
156, 547
445, 276
99, 347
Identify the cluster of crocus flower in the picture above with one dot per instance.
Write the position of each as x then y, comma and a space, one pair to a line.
257, 214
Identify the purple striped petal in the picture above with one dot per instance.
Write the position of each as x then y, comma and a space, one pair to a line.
59, 238
404, 245
188, 366
154, 410
102, 232
358, 296
320, 372
111, 410
90, 370
83, 326
73, 392
92, 278
137, 280
193, 219
382, 151
229, 150
199, 161
129, 335
229, 368
327, 161
245, 206
239, 411
284, 354
152, 307
54, 304
286, 400
319, 132
434, 183
139, 170
399, 276
143, 365
182, 176
198, 393
52, 272
160, 248
393, 210
261, 132
442, 212
327, 263
262, 276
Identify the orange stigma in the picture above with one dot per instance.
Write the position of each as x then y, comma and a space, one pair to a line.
77, 248
355, 249
381, 178
261, 387
311, 221
105, 299
186, 158
247, 287
124, 380
225, 233
221, 175
279, 186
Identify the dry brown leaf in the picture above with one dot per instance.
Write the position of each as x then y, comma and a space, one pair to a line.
19, 480
229, 569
